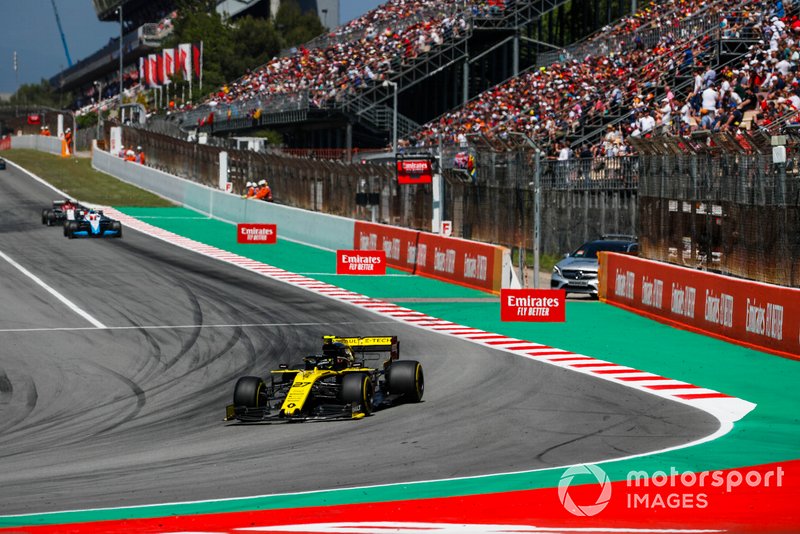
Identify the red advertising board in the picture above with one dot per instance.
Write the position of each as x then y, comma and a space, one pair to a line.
762, 316
468, 263
266, 234
533, 305
414, 171
360, 262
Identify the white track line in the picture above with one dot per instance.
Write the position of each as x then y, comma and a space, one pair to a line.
182, 326
71, 305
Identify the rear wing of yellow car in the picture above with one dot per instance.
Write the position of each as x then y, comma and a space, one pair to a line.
367, 344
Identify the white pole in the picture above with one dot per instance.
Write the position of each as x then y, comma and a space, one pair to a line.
537, 214
201, 66
120, 58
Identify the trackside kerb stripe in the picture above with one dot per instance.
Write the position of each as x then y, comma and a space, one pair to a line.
724, 407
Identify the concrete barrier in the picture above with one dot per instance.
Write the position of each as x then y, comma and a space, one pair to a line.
51, 145
309, 227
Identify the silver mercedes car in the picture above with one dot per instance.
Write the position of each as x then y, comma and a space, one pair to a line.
577, 272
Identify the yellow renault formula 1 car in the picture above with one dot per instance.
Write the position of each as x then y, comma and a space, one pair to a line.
352, 377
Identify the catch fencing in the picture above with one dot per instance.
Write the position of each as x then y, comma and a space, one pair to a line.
733, 213
580, 200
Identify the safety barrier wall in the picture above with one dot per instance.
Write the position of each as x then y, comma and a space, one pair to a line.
468, 263
317, 229
42, 143
758, 315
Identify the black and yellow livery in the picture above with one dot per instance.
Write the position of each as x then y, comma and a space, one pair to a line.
352, 377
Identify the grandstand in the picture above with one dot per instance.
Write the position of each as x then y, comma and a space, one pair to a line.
642, 68
338, 90
460, 69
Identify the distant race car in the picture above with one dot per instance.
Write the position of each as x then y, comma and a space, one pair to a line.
2, 164
62, 211
93, 224
352, 377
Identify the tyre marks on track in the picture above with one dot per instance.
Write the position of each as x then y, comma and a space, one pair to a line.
724, 407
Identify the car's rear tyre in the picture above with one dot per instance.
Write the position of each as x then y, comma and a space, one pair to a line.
44, 215
405, 377
249, 392
358, 387
51, 218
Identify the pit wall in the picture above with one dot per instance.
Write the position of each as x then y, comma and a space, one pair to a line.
761, 316
469, 263
49, 144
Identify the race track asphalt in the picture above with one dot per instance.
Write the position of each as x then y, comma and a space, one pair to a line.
131, 414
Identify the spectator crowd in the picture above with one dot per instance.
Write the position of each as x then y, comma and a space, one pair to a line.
628, 87
360, 54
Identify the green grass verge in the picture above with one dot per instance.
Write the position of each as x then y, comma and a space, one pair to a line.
77, 178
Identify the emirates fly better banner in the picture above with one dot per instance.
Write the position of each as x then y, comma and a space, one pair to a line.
533, 305
360, 262
266, 234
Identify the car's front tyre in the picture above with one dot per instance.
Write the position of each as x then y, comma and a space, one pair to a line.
249, 392
69, 229
358, 388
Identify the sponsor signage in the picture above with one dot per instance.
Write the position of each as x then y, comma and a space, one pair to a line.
360, 262
266, 234
468, 263
414, 171
762, 316
533, 305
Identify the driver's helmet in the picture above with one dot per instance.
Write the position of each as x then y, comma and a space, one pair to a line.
342, 351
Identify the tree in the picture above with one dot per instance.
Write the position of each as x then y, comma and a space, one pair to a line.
295, 26
41, 94
255, 41
231, 47
199, 21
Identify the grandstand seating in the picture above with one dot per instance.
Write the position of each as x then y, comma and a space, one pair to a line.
624, 73
402, 41
640, 76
